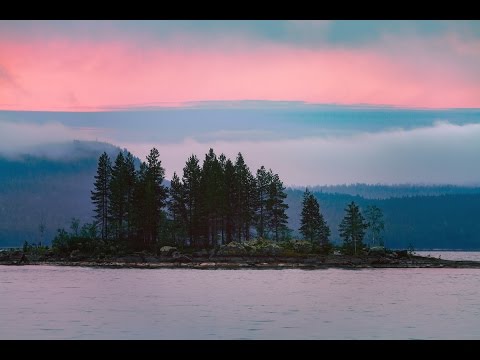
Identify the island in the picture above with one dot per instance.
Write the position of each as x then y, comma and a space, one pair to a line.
235, 256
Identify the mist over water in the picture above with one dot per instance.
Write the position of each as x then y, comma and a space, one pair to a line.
306, 144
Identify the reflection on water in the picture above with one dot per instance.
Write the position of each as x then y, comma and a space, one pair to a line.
47, 302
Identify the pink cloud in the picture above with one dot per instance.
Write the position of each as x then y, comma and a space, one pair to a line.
65, 75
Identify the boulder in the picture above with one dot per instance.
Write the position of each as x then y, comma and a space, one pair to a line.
271, 249
167, 250
302, 246
262, 247
232, 249
75, 255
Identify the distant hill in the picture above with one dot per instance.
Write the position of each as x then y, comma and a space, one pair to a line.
426, 222
52, 184
379, 191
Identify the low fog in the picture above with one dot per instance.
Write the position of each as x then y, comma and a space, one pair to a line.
441, 154
444, 153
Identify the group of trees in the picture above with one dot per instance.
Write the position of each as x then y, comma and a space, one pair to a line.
354, 226
222, 201
128, 203
216, 202
213, 203
352, 229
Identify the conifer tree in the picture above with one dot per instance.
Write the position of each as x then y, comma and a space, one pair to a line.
117, 206
376, 225
352, 229
177, 209
276, 207
313, 226
263, 181
222, 197
100, 194
130, 181
211, 183
245, 199
191, 183
229, 200
122, 185
150, 198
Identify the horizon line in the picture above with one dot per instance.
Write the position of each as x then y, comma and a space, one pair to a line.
250, 104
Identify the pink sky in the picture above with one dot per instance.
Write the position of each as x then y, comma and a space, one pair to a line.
62, 73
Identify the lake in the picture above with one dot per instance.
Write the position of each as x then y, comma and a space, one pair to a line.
53, 302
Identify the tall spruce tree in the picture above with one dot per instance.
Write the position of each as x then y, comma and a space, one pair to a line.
376, 225
352, 229
263, 179
117, 207
122, 185
191, 183
177, 210
229, 200
130, 181
245, 199
101, 193
276, 208
211, 181
313, 226
222, 197
151, 196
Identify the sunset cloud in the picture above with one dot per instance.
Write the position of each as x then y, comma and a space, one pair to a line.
164, 63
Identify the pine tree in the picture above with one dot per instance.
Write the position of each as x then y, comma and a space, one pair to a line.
245, 199
191, 183
101, 193
150, 198
211, 182
122, 186
352, 229
229, 200
263, 180
117, 206
376, 225
137, 226
276, 207
222, 197
177, 209
313, 226
130, 181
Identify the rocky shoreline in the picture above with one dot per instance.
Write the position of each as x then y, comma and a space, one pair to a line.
199, 261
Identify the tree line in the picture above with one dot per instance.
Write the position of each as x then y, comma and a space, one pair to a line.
211, 203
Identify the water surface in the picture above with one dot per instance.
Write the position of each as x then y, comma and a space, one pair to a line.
53, 302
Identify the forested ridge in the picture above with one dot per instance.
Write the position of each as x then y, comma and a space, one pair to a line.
36, 189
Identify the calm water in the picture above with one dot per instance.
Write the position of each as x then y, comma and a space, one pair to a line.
452, 255
47, 302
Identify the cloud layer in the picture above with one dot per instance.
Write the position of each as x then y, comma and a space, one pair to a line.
84, 66
40, 139
442, 154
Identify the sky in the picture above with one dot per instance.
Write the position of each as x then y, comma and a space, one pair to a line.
320, 102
